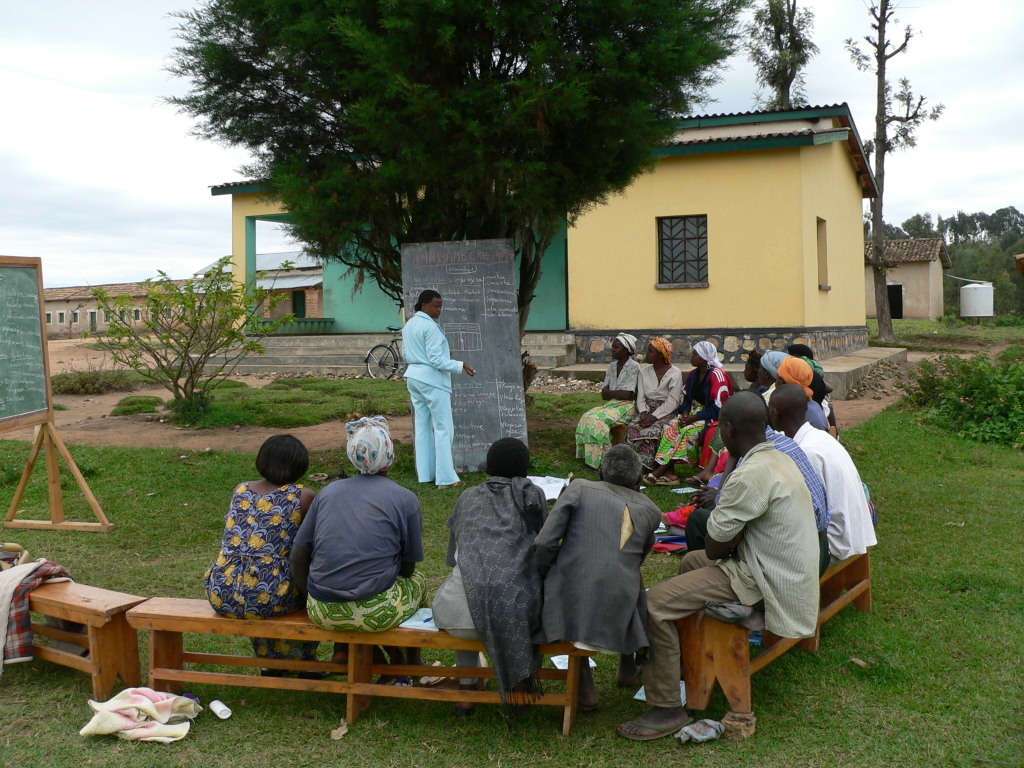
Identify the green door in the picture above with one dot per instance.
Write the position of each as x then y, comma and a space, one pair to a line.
299, 303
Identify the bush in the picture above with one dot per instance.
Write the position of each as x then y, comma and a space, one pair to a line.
973, 398
94, 382
126, 406
1012, 354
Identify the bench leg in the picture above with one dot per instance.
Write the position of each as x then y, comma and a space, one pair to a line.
114, 652
360, 658
714, 651
572, 690
128, 669
861, 571
165, 650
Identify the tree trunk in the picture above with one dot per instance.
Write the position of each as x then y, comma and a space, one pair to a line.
879, 264
885, 330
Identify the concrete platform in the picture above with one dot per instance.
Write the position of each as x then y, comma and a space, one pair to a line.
842, 372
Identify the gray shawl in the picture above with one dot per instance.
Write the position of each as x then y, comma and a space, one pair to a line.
493, 527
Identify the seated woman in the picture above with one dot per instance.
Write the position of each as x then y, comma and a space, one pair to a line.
356, 552
751, 371
794, 370
251, 578
807, 354
707, 388
494, 592
657, 396
593, 433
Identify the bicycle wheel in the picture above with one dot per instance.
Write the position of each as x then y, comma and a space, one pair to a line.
382, 362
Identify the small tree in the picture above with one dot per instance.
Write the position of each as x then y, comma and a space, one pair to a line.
779, 45
191, 335
897, 117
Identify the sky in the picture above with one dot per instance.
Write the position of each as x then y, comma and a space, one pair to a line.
102, 180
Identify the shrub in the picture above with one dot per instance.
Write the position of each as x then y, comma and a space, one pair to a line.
1012, 354
972, 398
94, 381
126, 406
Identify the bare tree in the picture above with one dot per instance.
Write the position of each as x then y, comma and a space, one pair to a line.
779, 45
898, 115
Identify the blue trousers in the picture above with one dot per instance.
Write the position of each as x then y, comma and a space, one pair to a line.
432, 413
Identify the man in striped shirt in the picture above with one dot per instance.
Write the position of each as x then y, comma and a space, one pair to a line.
762, 545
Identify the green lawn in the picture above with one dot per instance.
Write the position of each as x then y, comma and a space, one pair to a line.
943, 685
935, 336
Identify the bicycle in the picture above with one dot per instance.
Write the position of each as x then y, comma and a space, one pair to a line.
385, 361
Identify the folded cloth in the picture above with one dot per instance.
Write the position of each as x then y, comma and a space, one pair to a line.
735, 613
15, 618
702, 730
142, 714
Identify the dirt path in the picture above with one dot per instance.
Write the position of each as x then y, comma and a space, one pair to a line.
87, 421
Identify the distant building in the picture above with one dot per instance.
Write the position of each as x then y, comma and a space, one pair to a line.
915, 282
295, 276
71, 312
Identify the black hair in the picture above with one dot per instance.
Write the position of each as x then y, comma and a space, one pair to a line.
754, 358
425, 298
282, 459
800, 350
508, 457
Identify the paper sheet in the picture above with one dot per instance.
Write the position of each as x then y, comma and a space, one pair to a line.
562, 662
422, 619
552, 486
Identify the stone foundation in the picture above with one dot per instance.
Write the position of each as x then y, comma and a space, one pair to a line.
733, 344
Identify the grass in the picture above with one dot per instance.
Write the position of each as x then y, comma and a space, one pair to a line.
936, 336
287, 403
94, 381
943, 685
138, 404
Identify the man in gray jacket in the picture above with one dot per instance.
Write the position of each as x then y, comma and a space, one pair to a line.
589, 553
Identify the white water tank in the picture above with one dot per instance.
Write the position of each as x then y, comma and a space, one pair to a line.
976, 300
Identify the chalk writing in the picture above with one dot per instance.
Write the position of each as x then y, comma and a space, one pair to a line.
22, 368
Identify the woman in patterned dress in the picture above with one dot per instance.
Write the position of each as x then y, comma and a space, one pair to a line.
657, 397
593, 433
251, 577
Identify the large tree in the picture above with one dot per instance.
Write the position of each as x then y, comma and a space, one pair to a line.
382, 123
898, 115
779, 45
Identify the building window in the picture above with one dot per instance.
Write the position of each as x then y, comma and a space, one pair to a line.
106, 316
49, 318
137, 314
823, 256
74, 317
60, 317
683, 251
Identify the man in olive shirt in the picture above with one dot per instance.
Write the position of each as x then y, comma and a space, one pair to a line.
762, 545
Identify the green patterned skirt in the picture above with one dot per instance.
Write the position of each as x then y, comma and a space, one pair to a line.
374, 614
593, 433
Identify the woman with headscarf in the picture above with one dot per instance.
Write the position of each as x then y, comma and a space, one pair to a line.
707, 388
429, 378
806, 354
355, 555
794, 370
494, 591
593, 433
657, 395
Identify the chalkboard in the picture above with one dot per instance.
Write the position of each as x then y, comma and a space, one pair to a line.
24, 390
480, 318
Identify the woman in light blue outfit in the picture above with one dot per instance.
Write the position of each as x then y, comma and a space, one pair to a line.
429, 377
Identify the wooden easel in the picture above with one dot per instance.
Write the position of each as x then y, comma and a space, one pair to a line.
47, 440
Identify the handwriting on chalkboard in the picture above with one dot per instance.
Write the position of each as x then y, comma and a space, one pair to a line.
22, 367
480, 318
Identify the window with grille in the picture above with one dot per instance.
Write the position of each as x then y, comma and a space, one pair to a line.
683, 250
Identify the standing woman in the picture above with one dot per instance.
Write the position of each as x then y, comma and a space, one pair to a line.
657, 397
429, 377
593, 433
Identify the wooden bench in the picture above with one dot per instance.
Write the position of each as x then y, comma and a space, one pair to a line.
713, 651
113, 645
168, 619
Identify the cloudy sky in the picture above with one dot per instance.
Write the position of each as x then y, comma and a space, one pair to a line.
102, 180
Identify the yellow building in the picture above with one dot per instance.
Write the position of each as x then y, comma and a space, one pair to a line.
748, 232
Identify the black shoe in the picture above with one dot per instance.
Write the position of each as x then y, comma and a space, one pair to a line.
272, 672
464, 711
312, 674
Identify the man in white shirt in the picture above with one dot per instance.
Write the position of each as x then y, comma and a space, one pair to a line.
850, 530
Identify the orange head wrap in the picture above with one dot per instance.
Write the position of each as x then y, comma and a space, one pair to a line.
664, 348
795, 370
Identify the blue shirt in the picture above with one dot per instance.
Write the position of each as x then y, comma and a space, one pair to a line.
425, 348
814, 484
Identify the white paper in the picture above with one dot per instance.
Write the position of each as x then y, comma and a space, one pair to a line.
562, 662
641, 695
422, 619
685, 490
552, 486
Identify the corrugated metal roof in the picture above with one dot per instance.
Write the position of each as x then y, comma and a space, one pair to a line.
269, 262
288, 282
921, 249
761, 113
747, 137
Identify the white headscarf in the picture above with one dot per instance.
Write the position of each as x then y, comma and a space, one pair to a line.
628, 341
708, 352
369, 445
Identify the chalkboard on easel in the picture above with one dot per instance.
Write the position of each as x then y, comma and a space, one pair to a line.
24, 382
480, 318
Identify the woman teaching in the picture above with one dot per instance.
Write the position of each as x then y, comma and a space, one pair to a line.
429, 377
